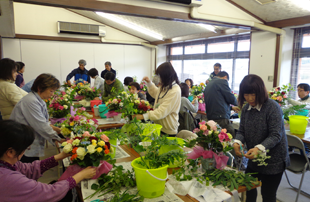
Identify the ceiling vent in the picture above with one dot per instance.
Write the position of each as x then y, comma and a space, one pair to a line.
191, 3
84, 29
262, 2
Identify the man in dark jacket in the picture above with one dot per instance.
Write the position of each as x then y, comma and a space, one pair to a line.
108, 68
80, 74
218, 98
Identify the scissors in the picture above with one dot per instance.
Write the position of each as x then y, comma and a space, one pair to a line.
241, 150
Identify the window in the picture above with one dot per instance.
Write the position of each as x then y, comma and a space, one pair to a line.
200, 56
306, 41
176, 50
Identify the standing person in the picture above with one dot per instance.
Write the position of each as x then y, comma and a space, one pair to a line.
108, 68
112, 86
127, 81
15, 139
80, 74
218, 98
10, 94
262, 128
20, 82
167, 100
217, 69
31, 110
134, 88
99, 82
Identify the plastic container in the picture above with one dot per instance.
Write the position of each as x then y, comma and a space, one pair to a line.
166, 148
191, 98
149, 129
95, 102
303, 112
298, 124
96, 111
150, 182
103, 109
113, 143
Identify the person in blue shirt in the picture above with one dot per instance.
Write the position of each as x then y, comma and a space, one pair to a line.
80, 74
108, 68
27, 86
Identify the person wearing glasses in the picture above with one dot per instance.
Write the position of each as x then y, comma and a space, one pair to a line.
303, 94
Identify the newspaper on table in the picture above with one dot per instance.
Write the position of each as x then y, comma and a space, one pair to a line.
87, 191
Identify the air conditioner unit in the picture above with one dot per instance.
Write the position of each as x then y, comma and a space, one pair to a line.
78, 28
192, 3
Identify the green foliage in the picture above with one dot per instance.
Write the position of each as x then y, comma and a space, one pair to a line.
292, 111
117, 178
116, 134
261, 157
125, 197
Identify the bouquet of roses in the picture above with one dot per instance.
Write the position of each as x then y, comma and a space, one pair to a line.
59, 105
198, 89
143, 87
212, 141
142, 106
280, 94
115, 104
87, 149
78, 124
82, 112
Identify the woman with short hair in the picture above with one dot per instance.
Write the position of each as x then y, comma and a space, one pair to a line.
167, 99
127, 81
32, 111
185, 103
10, 94
20, 82
262, 129
19, 180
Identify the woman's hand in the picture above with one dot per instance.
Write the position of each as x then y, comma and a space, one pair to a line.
138, 116
237, 149
236, 109
194, 100
96, 98
87, 173
61, 156
252, 153
56, 129
147, 79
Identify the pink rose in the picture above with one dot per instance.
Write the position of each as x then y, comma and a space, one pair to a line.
94, 90
83, 108
104, 138
279, 98
63, 92
61, 107
86, 134
224, 130
276, 90
284, 96
70, 141
202, 123
222, 137
50, 106
203, 127
76, 118
196, 130
61, 98
212, 125
206, 132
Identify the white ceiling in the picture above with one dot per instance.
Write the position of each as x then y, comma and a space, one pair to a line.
279, 10
168, 29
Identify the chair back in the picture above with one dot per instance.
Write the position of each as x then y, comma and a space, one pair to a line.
186, 135
296, 142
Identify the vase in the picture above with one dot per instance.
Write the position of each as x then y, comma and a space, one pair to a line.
208, 163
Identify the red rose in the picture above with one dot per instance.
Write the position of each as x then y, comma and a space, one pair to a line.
279, 88
93, 138
77, 138
283, 93
271, 93
108, 144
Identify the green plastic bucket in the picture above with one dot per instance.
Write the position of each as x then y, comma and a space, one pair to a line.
167, 148
298, 124
103, 109
303, 112
148, 129
150, 182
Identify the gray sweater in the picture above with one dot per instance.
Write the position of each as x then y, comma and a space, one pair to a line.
185, 103
265, 127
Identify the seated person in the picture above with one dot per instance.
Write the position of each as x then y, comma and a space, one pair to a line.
112, 87
27, 86
80, 73
185, 103
127, 81
303, 94
15, 139
99, 82
134, 88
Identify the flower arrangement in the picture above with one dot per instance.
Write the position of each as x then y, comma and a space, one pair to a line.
198, 89
58, 105
280, 94
142, 106
78, 124
84, 89
143, 87
87, 149
213, 142
114, 104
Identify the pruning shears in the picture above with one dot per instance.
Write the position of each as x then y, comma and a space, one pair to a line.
241, 150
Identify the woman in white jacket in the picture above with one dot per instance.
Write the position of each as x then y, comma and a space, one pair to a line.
10, 93
167, 100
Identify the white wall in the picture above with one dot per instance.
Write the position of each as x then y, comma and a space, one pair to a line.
161, 54
42, 20
286, 57
60, 58
262, 57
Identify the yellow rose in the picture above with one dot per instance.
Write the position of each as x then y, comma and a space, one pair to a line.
101, 143
94, 141
91, 149
72, 124
230, 136
99, 149
64, 144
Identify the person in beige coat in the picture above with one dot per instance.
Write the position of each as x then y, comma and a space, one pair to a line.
167, 100
10, 93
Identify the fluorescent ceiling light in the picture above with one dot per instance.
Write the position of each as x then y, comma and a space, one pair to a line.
130, 25
305, 4
208, 27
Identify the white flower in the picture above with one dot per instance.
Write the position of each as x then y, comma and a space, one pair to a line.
200, 101
136, 96
66, 99
68, 148
91, 149
121, 104
65, 95
76, 142
64, 144
91, 122
81, 152
66, 106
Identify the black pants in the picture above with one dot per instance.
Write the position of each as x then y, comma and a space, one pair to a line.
26, 159
170, 135
270, 184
